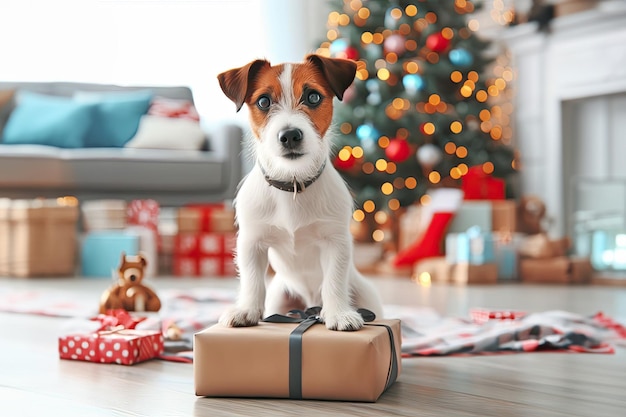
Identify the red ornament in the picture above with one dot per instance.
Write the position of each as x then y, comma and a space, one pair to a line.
344, 165
436, 42
349, 53
398, 150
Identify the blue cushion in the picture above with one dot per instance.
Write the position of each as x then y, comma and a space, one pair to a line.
117, 116
48, 120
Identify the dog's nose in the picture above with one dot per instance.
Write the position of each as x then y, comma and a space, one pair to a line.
290, 138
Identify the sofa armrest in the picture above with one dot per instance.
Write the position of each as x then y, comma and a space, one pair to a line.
226, 141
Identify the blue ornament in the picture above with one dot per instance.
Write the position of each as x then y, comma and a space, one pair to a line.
374, 99
338, 46
412, 83
461, 57
366, 131
372, 85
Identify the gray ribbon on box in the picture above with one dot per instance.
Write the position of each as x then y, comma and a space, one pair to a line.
308, 318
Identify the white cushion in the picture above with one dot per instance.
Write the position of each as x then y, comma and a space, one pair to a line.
156, 132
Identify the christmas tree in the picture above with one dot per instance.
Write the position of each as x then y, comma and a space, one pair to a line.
420, 113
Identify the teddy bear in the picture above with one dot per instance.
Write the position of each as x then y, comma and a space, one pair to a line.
128, 292
531, 212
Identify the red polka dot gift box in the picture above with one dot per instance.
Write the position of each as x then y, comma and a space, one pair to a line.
125, 347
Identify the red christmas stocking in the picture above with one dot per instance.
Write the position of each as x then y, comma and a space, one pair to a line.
443, 206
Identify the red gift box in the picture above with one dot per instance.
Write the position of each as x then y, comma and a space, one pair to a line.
478, 185
204, 254
143, 213
125, 347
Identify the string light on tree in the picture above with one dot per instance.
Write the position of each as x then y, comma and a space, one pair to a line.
344, 160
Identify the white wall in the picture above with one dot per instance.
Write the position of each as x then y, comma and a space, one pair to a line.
153, 42
570, 105
594, 148
294, 27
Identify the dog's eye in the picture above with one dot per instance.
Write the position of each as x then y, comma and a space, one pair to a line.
264, 102
312, 98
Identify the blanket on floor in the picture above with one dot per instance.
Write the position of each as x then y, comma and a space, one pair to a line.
424, 331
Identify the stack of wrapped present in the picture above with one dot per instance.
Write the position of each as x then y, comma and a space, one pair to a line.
492, 241
113, 227
480, 246
545, 260
205, 243
38, 237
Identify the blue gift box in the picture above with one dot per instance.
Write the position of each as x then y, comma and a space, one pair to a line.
507, 254
102, 250
473, 246
506, 259
478, 248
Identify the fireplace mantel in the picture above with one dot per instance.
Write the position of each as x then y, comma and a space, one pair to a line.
581, 55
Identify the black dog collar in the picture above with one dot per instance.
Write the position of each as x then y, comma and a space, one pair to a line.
294, 186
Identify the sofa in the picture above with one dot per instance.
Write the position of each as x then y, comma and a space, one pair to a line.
53, 142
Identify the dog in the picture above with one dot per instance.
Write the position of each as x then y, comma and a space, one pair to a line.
293, 209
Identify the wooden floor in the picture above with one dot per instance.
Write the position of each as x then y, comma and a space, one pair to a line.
34, 382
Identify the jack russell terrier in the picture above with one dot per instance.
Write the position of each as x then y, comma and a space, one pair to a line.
294, 209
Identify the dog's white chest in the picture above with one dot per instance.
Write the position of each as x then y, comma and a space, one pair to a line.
294, 216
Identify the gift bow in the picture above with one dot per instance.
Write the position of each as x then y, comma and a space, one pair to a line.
308, 318
116, 318
311, 316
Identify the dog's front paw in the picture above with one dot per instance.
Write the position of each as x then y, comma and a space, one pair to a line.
241, 317
344, 320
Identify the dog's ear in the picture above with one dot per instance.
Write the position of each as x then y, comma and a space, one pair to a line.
235, 83
338, 72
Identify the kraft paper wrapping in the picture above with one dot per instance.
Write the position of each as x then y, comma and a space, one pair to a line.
38, 237
254, 361
557, 270
209, 218
466, 273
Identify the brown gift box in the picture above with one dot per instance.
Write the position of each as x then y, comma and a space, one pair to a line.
557, 270
206, 218
38, 237
466, 273
335, 365
109, 214
552, 270
581, 270
504, 216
